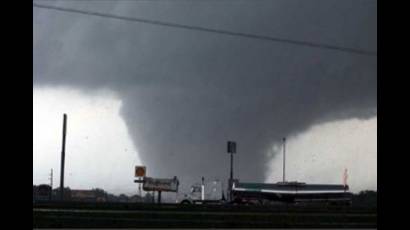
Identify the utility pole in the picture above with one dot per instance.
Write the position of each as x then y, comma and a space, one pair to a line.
51, 184
284, 158
203, 189
223, 192
231, 166
63, 158
51, 179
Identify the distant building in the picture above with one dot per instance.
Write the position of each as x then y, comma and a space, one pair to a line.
42, 192
67, 194
123, 198
83, 195
35, 191
45, 193
136, 199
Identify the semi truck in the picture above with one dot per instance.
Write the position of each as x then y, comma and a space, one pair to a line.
210, 192
290, 192
267, 193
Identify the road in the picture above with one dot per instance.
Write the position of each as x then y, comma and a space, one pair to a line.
81, 215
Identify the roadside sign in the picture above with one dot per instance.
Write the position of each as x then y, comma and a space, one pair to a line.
160, 184
231, 147
140, 171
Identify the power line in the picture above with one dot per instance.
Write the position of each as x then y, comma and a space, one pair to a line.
210, 30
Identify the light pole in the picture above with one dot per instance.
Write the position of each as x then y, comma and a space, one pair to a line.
284, 158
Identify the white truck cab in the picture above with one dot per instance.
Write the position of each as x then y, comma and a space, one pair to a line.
205, 193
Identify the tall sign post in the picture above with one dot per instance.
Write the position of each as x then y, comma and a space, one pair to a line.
155, 184
140, 172
231, 150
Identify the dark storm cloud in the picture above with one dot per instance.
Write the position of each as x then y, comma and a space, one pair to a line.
185, 93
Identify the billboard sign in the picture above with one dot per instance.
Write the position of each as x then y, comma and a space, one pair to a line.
140, 171
160, 184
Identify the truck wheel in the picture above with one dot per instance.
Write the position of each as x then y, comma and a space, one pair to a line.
185, 202
237, 201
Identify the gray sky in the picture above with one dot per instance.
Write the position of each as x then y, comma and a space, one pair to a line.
185, 93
